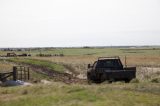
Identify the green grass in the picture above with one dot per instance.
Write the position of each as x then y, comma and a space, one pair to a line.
37, 77
59, 94
40, 63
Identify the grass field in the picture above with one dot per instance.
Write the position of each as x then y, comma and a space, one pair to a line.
59, 94
143, 93
93, 51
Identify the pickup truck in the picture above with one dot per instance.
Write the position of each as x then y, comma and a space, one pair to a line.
111, 69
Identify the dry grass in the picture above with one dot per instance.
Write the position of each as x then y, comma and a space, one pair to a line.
149, 60
79, 63
131, 60
5, 66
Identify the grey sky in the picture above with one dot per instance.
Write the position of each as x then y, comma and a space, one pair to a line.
30, 23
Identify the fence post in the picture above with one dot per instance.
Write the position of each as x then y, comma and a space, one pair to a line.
125, 61
28, 73
24, 74
21, 73
14, 73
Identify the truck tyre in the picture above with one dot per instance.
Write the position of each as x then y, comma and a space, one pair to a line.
88, 75
111, 80
103, 77
127, 80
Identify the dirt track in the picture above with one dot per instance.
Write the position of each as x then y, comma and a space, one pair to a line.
57, 76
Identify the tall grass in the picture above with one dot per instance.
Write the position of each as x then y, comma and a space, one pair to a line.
59, 94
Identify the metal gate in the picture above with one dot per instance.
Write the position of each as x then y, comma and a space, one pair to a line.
18, 73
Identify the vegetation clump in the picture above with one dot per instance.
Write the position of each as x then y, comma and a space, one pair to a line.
155, 80
135, 80
24, 92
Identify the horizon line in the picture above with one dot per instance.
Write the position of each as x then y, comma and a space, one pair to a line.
85, 46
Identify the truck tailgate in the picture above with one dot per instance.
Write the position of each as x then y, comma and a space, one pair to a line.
120, 74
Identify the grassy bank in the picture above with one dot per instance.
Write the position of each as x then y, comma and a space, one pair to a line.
40, 63
59, 94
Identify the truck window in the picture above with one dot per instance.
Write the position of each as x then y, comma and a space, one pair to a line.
110, 63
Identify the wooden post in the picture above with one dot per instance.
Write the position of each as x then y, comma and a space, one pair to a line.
28, 73
21, 72
125, 61
24, 73
14, 73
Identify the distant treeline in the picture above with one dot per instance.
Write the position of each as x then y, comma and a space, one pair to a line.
49, 48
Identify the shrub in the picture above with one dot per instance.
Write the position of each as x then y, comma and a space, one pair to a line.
135, 80
155, 80
5, 92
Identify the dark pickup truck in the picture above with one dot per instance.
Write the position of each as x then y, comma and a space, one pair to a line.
111, 69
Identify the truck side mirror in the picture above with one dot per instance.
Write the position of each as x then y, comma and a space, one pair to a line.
89, 65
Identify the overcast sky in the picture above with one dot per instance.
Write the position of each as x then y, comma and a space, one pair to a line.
41, 23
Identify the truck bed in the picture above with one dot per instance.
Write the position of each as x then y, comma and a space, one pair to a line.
127, 73
120, 74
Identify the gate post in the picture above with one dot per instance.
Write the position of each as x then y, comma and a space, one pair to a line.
14, 73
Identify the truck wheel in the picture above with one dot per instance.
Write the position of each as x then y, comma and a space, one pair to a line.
103, 77
88, 76
89, 79
111, 80
127, 80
